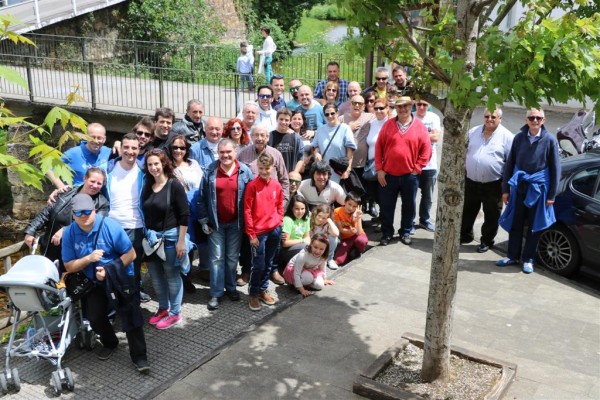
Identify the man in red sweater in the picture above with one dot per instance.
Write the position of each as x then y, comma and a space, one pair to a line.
263, 227
402, 150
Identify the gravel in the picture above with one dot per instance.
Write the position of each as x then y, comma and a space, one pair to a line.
469, 380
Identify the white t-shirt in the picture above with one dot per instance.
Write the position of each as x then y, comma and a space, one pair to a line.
125, 197
431, 122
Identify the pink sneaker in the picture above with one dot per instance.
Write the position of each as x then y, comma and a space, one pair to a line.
169, 321
160, 314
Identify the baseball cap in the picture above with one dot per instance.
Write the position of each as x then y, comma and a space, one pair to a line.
82, 202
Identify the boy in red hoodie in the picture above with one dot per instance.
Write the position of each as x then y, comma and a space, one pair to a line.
263, 226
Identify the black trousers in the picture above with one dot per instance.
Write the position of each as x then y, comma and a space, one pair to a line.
97, 308
488, 195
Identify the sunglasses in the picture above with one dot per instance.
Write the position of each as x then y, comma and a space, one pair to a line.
278, 76
371, 101
142, 133
531, 118
357, 103
294, 89
378, 108
182, 148
265, 96
330, 114
382, 79
331, 90
422, 105
82, 212
295, 181
236, 128
491, 116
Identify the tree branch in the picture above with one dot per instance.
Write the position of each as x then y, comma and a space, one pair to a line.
435, 69
478, 5
486, 15
504, 12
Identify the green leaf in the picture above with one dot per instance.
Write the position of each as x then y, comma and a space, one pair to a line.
12, 76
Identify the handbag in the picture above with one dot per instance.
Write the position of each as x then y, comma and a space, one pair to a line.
77, 283
159, 246
369, 173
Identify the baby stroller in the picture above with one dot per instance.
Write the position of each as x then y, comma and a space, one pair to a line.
576, 133
31, 285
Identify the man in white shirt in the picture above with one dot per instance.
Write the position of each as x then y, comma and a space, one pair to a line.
428, 175
124, 188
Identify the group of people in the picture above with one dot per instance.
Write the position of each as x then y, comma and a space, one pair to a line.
258, 191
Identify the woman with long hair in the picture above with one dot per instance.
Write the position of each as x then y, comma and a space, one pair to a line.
168, 222
332, 94
236, 131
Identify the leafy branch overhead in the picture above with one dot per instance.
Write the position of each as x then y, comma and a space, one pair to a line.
542, 57
42, 156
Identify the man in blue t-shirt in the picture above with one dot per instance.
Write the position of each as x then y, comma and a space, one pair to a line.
89, 153
90, 244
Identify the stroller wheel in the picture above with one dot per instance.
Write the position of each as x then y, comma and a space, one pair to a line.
3, 385
69, 378
16, 381
56, 383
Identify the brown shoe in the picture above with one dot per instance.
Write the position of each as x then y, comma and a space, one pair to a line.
253, 303
266, 298
242, 279
277, 279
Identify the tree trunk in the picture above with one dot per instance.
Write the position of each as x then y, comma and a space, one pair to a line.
442, 286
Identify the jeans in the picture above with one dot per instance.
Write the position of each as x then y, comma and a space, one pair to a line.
223, 254
406, 186
246, 81
166, 279
488, 194
427, 181
262, 260
515, 236
268, 69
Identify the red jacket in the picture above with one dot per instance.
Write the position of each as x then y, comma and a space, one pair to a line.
399, 154
263, 206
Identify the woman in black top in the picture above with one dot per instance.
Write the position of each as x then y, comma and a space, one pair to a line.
169, 222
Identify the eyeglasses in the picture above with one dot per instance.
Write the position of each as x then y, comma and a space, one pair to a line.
532, 118
265, 96
332, 90
378, 108
379, 78
278, 76
98, 138
357, 103
82, 212
422, 105
236, 128
330, 114
491, 116
295, 181
142, 133
182, 148
294, 89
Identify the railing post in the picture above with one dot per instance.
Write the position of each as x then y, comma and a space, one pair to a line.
92, 84
29, 78
369, 69
319, 65
82, 41
161, 89
137, 57
192, 63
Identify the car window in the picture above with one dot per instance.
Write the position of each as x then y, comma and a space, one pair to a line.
585, 182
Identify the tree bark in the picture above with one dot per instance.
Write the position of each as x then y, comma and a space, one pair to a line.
444, 263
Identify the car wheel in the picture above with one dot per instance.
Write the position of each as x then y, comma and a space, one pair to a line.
558, 251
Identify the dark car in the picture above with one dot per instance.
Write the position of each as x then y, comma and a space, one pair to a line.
575, 237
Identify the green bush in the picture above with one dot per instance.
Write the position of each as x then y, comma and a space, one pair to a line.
326, 12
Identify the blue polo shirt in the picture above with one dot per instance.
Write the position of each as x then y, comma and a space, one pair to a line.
112, 239
80, 159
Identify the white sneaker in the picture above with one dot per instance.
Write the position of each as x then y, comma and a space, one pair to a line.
332, 265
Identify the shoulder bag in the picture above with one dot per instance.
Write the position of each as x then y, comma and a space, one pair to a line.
159, 246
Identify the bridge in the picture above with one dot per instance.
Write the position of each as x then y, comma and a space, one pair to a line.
35, 14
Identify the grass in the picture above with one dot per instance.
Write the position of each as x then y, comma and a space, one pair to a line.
309, 27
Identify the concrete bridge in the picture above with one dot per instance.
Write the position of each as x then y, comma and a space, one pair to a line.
35, 14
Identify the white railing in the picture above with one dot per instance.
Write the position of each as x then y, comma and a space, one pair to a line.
35, 14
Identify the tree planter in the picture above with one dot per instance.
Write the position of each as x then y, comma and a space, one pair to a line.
366, 385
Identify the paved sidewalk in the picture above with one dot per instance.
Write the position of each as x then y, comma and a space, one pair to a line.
547, 325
